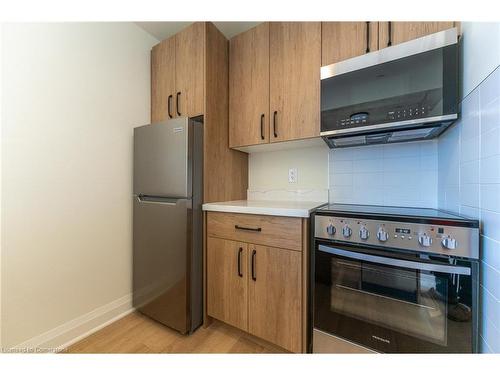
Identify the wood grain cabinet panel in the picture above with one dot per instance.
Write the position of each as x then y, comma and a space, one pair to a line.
399, 32
295, 61
249, 87
162, 79
344, 40
189, 68
275, 296
285, 232
227, 280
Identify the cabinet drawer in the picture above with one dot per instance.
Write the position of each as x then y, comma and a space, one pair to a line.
276, 231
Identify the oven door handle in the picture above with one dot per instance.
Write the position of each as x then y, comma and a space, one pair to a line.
396, 262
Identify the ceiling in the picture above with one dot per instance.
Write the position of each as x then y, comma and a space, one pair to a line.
163, 30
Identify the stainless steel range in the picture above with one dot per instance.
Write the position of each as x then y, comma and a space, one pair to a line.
394, 279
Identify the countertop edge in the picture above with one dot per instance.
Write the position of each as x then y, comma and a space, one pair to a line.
270, 211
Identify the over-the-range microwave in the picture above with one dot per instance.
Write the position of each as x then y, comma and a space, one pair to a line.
400, 93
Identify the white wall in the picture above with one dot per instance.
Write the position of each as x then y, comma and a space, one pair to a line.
71, 94
268, 174
479, 55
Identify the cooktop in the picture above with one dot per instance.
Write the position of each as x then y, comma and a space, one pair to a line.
390, 211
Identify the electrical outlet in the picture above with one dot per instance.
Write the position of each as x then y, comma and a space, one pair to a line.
292, 175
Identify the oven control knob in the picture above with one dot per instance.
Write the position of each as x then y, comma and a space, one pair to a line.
382, 235
364, 233
346, 231
449, 243
424, 240
330, 229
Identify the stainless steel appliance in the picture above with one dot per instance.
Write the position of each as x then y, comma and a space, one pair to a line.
392, 279
167, 234
400, 93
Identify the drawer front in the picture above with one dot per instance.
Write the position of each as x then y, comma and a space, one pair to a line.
276, 231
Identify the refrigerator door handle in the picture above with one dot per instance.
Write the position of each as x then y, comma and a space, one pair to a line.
159, 200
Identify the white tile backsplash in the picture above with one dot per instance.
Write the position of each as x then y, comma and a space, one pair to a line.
469, 153
396, 175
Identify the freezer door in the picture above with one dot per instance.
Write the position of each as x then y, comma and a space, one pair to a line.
161, 159
161, 256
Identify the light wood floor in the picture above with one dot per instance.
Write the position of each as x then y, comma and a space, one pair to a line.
135, 333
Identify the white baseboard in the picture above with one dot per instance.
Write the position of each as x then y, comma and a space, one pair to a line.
66, 334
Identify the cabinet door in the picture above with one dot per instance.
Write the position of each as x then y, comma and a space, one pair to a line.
249, 87
399, 32
295, 61
189, 63
343, 40
275, 296
162, 80
227, 281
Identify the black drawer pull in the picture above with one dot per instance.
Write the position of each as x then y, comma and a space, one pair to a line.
367, 36
169, 105
389, 42
254, 276
240, 274
262, 127
177, 96
274, 124
246, 228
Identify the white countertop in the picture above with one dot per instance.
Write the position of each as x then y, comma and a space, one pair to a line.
265, 207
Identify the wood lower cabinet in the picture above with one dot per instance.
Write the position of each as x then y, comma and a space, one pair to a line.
344, 40
257, 287
227, 281
275, 296
391, 33
294, 73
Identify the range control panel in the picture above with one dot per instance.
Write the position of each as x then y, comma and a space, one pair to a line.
447, 240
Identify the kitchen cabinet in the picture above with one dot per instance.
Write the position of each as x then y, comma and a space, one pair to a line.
344, 40
177, 75
227, 285
274, 83
391, 33
274, 296
294, 72
249, 87
162, 80
256, 275
190, 77
189, 72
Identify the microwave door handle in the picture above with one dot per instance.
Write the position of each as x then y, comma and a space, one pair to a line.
395, 262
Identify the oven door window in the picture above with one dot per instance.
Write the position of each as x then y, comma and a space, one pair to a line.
391, 308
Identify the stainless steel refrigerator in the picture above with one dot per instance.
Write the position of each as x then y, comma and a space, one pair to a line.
167, 234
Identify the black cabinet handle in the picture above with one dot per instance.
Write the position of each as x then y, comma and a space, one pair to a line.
274, 124
262, 126
246, 228
389, 41
177, 96
169, 106
254, 277
367, 36
240, 274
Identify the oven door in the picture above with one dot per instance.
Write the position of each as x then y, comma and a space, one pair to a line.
398, 304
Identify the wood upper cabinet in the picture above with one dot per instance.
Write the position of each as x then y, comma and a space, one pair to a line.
162, 79
391, 33
189, 72
275, 295
249, 87
343, 40
227, 280
177, 74
294, 72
